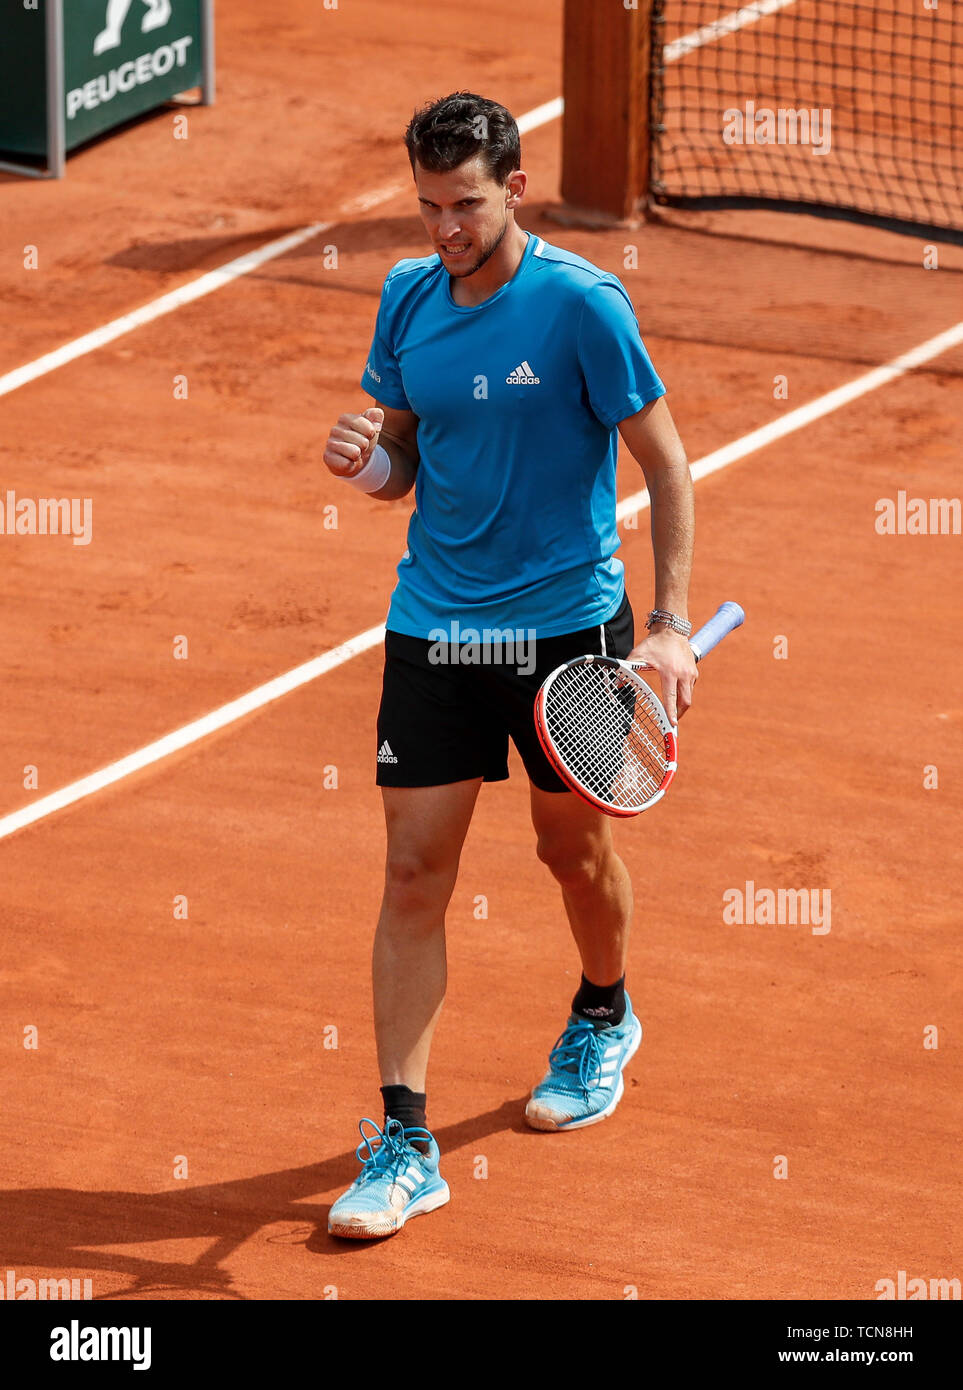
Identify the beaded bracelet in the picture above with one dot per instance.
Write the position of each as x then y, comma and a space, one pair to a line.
671, 621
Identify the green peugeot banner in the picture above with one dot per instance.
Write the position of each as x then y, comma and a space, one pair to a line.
123, 57
73, 69
23, 101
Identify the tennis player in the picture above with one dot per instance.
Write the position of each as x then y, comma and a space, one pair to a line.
503, 371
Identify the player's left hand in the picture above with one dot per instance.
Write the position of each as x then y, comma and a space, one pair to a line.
669, 654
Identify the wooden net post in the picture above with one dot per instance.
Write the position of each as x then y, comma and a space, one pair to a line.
605, 132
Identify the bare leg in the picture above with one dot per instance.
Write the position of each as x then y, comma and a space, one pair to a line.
575, 841
426, 830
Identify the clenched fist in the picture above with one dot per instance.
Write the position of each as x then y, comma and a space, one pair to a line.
352, 441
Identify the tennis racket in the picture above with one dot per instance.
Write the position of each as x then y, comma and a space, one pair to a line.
605, 731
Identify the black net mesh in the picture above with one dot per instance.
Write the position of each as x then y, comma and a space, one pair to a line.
848, 109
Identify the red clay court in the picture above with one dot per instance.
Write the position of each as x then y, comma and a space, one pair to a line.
205, 1044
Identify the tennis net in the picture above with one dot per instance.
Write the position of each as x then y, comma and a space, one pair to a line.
842, 108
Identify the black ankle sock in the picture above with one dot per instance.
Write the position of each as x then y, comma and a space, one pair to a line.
600, 1004
401, 1103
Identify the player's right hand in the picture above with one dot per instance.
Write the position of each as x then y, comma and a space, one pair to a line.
352, 441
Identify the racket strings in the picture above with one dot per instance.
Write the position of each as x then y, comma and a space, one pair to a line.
607, 734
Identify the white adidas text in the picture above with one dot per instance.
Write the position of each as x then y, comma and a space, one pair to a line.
523, 375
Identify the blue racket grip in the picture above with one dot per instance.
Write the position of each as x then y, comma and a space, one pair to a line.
726, 620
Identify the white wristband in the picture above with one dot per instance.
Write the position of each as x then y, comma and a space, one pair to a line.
375, 473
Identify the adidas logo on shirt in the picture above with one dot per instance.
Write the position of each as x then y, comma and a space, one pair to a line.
523, 376
385, 754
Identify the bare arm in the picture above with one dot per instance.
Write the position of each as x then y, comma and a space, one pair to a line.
353, 439
653, 440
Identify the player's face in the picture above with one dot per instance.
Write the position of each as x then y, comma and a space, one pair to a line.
465, 212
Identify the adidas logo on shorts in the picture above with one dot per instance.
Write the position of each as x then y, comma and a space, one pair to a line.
385, 754
523, 376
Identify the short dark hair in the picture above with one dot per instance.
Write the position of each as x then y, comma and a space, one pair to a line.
448, 132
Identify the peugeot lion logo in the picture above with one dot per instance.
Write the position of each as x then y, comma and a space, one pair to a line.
157, 14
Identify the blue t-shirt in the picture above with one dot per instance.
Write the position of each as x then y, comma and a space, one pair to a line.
517, 400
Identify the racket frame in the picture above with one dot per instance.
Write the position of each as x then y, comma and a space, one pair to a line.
726, 619
669, 734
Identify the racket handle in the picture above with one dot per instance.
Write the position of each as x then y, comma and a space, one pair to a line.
728, 617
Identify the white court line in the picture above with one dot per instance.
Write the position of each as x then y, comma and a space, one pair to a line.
725, 24
243, 265
166, 304
318, 666
191, 733
224, 275
672, 52
300, 675
806, 414
540, 115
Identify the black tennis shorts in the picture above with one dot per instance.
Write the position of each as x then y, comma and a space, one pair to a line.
448, 709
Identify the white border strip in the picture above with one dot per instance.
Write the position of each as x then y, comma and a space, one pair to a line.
806, 414
725, 24
273, 690
264, 694
191, 733
243, 265
224, 275
157, 308
540, 115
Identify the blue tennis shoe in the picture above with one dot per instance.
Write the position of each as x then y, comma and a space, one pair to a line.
584, 1082
397, 1181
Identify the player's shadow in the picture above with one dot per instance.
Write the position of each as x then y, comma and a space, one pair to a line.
63, 1229
402, 235
208, 252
